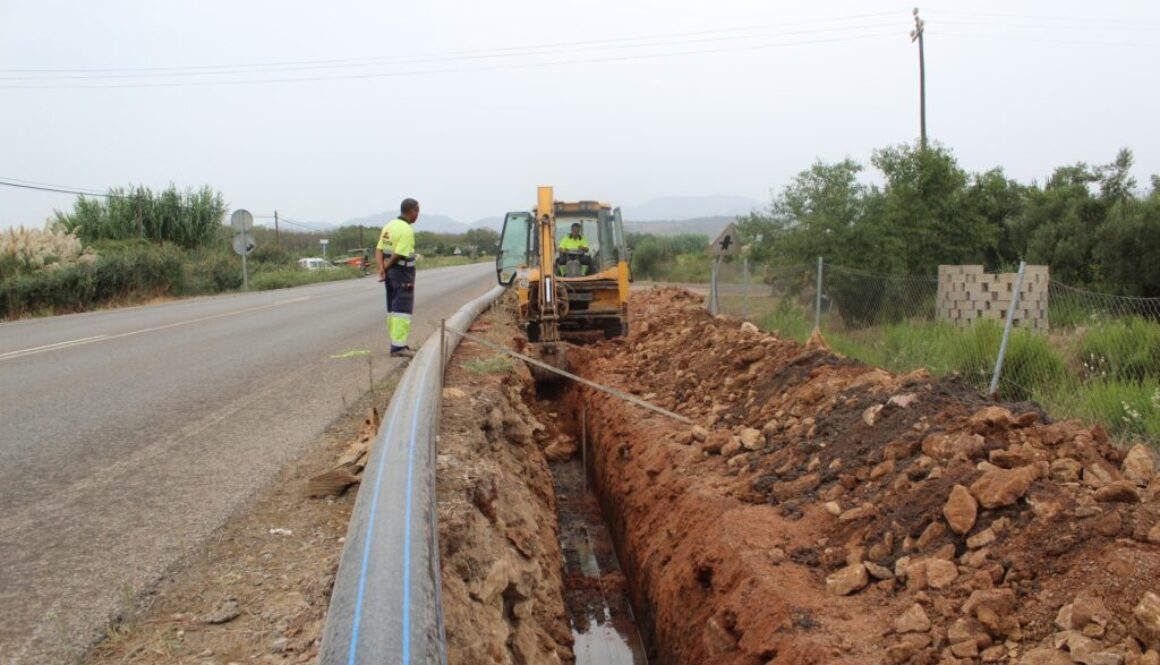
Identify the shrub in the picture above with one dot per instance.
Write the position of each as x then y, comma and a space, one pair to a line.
1121, 350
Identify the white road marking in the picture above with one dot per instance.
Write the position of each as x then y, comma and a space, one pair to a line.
20, 353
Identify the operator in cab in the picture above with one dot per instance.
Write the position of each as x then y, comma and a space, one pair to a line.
575, 244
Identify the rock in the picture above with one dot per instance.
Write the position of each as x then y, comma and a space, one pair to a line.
1002, 601
981, 539
870, 415
1003, 487
1066, 470
961, 510
995, 654
1045, 656
453, 393
749, 328
913, 620
1012, 457
903, 401
941, 574
699, 433
1088, 608
751, 439
882, 469
878, 572
1146, 625
965, 649
1063, 618
833, 508
561, 449
989, 418
280, 645
226, 611
732, 448
946, 446
1119, 491
1097, 475
864, 511
847, 580
1138, 466
715, 441
1154, 534
932, 533
900, 653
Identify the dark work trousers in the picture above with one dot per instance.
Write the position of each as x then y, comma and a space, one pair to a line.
400, 303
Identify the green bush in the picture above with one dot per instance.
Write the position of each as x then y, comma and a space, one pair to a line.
282, 278
119, 271
212, 271
1121, 350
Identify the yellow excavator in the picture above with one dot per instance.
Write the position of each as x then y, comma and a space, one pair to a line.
569, 265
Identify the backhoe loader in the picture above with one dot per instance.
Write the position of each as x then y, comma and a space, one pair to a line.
574, 291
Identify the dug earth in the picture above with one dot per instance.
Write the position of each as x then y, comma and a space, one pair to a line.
817, 511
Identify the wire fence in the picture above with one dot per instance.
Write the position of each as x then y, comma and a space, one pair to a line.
1080, 354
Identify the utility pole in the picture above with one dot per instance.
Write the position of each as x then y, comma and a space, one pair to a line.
916, 36
277, 240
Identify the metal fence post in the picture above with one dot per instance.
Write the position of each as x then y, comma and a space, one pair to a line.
745, 286
1007, 329
713, 286
818, 298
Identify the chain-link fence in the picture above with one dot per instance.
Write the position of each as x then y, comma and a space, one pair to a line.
1078, 353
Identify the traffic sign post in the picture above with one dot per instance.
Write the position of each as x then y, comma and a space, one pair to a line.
242, 222
726, 244
325, 243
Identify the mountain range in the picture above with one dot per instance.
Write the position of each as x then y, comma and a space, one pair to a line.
668, 215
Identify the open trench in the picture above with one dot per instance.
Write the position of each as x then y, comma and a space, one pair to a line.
820, 511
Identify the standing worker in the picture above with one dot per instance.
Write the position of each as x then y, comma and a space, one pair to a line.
395, 254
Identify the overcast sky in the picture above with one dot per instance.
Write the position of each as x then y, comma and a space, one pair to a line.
468, 106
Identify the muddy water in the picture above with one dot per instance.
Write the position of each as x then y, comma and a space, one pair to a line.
595, 592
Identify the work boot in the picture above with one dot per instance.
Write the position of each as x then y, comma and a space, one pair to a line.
404, 352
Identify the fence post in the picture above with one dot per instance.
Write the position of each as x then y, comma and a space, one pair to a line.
713, 286
745, 286
1007, 330
818, 298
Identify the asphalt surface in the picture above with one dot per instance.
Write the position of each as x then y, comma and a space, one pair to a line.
127, 436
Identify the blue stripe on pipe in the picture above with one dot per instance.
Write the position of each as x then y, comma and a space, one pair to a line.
362, 575
407, 528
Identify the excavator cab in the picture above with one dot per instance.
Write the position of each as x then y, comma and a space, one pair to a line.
569, 265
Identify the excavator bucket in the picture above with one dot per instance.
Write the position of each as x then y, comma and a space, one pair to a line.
553, 354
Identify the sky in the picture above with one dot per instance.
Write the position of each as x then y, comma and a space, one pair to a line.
329, 111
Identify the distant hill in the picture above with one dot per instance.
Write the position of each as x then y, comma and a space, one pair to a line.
493, 223
427, 222
689, 208
707, 226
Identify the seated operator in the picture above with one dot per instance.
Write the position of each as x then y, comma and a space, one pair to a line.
574, 242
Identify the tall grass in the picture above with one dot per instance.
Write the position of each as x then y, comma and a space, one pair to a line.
1124, 396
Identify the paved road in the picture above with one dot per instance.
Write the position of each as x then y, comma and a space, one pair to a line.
127, 436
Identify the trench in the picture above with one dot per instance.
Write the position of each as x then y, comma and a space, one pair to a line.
606, 625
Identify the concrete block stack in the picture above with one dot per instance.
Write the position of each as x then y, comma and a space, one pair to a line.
967, 294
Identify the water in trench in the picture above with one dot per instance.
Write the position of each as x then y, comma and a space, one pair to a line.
595, 589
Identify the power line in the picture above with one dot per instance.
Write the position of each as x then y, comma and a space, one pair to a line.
487, 52
1084, 22
509, 66
1039, 40
10, 182
379, 62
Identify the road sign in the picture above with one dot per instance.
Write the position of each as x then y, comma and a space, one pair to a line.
242, 221
727, 243
244, 243
325, 243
